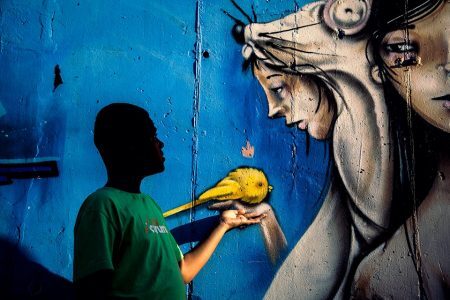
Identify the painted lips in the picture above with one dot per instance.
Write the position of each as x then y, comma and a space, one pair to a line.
303, 125
445, 98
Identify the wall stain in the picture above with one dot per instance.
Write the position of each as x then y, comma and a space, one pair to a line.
248, 151
58, 79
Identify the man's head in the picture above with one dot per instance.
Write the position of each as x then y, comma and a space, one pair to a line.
126, 139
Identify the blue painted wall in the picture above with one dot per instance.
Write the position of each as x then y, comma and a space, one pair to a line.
150, 53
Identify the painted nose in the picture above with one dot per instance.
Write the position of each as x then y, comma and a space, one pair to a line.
447, 67
238, 32
275, 112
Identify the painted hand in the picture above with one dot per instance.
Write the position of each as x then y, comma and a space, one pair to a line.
273, 235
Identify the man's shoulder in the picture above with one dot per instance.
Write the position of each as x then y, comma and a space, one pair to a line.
151, 200
101, 199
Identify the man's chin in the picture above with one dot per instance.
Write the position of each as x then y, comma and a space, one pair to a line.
154, 170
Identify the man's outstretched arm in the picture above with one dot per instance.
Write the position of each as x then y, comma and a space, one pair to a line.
194, 261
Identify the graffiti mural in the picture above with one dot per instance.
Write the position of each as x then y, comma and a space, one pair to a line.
354, 72
343, 105
172, 58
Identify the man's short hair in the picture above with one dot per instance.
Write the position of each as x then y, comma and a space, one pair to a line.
116, 124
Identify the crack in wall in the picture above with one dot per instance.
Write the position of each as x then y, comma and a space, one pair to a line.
196, 103
195, 109
411, 170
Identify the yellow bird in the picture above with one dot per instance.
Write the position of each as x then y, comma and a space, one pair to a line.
247, 184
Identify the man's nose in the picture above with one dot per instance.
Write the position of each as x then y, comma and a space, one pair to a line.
161, 144
447, 65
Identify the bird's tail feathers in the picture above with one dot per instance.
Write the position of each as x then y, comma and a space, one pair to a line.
226, 189
184, 207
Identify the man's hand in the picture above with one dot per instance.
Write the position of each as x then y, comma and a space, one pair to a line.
240, 218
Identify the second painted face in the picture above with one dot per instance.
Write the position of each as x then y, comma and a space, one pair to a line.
420, 61
297, 98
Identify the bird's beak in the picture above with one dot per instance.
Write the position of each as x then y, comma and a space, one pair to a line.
270, 188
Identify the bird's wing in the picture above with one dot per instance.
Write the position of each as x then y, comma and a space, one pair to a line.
228, 190
226, 181
253, 199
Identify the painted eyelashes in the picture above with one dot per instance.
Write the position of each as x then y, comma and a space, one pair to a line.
405, 54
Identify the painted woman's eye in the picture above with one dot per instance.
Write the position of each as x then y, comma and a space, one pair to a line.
401, 47
402, 54
277, 90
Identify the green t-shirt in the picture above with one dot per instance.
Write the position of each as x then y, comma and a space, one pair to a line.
126, 233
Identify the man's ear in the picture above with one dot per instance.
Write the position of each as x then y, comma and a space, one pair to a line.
347, 16
376, 74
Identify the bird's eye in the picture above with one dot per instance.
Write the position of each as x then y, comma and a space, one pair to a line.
260, 184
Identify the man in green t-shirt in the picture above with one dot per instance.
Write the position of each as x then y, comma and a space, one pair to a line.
123, 248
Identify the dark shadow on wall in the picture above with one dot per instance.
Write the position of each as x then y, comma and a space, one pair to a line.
23, 170
195, 231
22, 278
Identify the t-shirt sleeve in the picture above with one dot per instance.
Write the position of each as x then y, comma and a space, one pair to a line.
178, 254
94, 243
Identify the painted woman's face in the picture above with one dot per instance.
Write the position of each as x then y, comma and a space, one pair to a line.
420, 59
298, 99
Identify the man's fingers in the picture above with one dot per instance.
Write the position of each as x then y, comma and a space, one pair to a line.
240, 219
241, 212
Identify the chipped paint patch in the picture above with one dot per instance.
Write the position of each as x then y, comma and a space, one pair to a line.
248, 151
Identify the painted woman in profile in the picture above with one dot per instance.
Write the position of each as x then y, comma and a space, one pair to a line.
311, 81
368, 202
